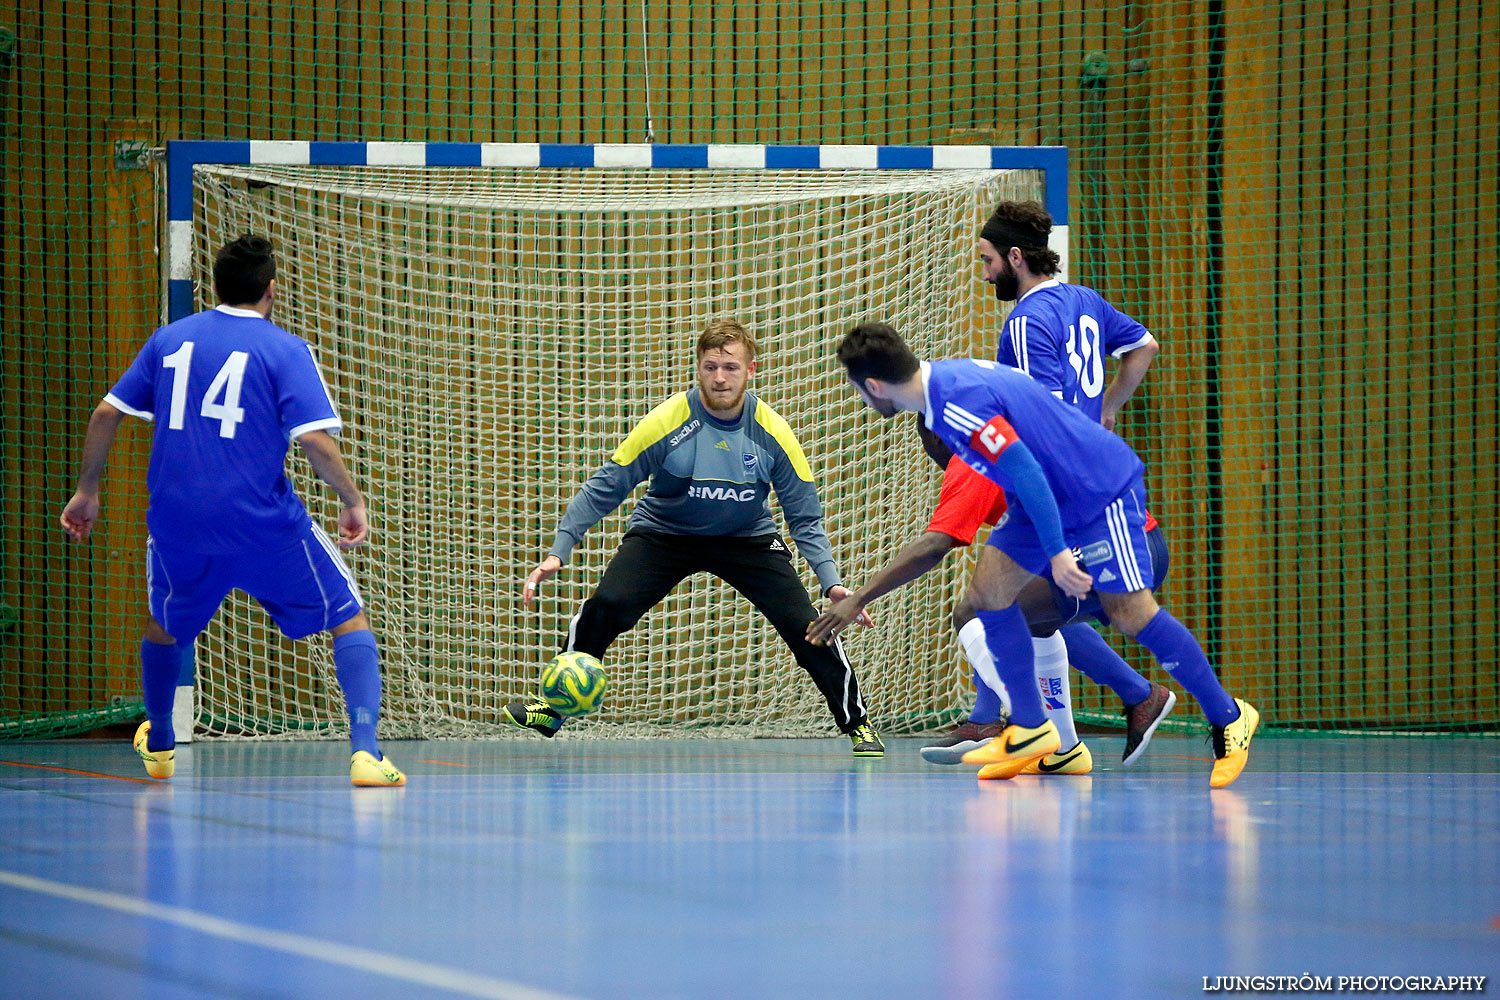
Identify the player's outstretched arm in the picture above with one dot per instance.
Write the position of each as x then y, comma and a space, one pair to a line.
919, 556
323, 455
82, 510
839, 593
548, 567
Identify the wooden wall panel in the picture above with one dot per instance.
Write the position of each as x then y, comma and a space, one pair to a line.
1344, 364
1171, 288
1408, 419
1248, 331
118, 548
28, 561
1477, 182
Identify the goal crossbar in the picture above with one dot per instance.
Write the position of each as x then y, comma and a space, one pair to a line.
183, 156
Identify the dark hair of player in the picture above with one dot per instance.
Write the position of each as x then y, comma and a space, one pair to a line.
722, 333
243, 270
876, 350
1026, 226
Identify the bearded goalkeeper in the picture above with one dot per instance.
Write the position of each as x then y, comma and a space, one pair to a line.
713, 455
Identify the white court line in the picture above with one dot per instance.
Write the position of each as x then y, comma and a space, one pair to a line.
360, 959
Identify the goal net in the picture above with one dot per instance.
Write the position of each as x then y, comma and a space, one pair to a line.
491, 334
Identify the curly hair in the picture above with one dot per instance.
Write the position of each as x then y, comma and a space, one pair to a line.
1026, 226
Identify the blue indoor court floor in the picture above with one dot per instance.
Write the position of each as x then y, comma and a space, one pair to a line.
525, 868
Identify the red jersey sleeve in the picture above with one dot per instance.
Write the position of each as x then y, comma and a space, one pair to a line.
967, 501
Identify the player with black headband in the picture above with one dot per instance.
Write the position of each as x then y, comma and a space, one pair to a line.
1059, 334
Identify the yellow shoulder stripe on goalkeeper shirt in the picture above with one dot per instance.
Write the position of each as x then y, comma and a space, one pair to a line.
657, 424
782, 432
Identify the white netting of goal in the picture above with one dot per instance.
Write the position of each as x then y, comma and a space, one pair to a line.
490, 335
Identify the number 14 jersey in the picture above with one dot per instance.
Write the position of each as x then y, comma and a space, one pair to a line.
227, 391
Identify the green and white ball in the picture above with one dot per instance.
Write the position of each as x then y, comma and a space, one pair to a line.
573, 684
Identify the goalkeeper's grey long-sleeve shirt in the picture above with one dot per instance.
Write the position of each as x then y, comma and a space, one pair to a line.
707, 478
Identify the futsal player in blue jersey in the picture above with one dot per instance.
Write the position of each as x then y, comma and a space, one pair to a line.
227, 391
1069, 484
1058, 334
713, 455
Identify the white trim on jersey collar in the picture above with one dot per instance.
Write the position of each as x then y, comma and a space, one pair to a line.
924, 369
237, 311
1049, 283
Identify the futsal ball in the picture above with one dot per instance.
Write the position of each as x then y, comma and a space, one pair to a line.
573, 684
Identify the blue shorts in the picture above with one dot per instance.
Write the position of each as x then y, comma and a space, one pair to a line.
306, 586
1072, 609
1113, 545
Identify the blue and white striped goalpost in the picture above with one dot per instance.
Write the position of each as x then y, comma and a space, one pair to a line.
183, 158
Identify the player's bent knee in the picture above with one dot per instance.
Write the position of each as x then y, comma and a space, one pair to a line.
1130, 612
156, 635
355, 624
1036, 604
963, 613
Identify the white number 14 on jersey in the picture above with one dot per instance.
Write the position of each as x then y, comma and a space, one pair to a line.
225, 388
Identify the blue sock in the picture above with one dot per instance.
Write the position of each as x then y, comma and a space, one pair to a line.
987, 704
1009, 642
1094, 658
160, 667
356, 660
1182, 657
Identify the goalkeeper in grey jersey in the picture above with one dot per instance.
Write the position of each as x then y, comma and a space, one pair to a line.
713, 455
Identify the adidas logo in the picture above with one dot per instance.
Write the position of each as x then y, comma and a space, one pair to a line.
722, 446
1107, 577
776, 545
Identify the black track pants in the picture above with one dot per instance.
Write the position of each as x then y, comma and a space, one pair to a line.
648, 565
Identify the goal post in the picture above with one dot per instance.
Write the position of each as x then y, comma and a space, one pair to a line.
493, 318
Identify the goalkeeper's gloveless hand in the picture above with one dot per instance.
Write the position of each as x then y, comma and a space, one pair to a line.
548, 567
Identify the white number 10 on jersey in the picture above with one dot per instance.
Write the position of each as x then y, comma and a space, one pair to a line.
1086, 355
225, 388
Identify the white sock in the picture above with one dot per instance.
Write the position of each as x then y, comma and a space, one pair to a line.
977, 652
1052, 678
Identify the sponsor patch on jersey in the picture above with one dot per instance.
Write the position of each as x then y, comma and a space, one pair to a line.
1098, 552
721, 493
683, 434
751, 461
